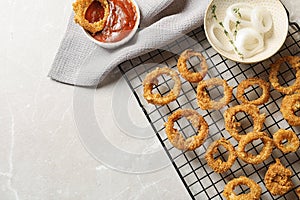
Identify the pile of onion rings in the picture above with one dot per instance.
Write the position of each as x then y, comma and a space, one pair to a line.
80, 7
231, 125
254, 194
193, 77
151, 80
203, 98
250, 82
290, 104
264, 154
292, 144
177, 139
277, 179
218, 165
295, 63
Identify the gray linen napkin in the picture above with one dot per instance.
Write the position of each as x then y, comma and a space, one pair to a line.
81, 62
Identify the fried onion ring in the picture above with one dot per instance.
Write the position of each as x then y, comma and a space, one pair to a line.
264, 154
204, 101
151, 80
298, 192
252, 81
254, 194
218, 165
289, 105
193, 77
295, 62
177, 139
292, 144
277, 179
231, 125
80, 7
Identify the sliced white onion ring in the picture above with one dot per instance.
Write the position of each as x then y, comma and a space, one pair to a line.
245, 11
249, 42
261, 19
228, 25
223, 44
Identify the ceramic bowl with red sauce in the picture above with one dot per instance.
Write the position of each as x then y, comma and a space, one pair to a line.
121, 25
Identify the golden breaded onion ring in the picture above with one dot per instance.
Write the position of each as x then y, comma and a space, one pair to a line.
292, 144
231, 125
177, 139
193, 77
264, 154
218, 165
277, 179
250, 82
151, 80
254, 194
204, 101
80, 7
289, 105
298, 192
295, 62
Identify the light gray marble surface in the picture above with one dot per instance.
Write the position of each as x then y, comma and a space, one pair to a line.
41, 153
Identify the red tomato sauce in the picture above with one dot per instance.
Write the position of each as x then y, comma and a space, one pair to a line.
95, 12
120, 22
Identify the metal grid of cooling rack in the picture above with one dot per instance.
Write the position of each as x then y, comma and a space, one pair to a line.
198, 178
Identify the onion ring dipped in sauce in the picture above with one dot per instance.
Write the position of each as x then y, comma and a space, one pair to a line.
192, 77
254, 194
203, 99
277, 179
264, 154
230, 121
120, 22
289, 105
107, 21
91, 14
218, 165
294, 61
177, 140
251, 82
151, 80
292, 143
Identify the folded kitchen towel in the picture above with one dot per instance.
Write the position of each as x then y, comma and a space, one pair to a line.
81, 62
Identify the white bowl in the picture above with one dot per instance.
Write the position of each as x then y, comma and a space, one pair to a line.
277, 34
113, 45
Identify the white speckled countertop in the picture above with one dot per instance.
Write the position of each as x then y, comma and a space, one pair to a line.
41, 153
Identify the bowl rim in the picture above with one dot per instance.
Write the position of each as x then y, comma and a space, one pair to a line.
248, 60
113, 45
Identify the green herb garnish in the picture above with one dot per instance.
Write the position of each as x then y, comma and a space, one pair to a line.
237, 11
237, 23
213, 11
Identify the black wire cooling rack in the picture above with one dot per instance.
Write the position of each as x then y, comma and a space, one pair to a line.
199, 179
